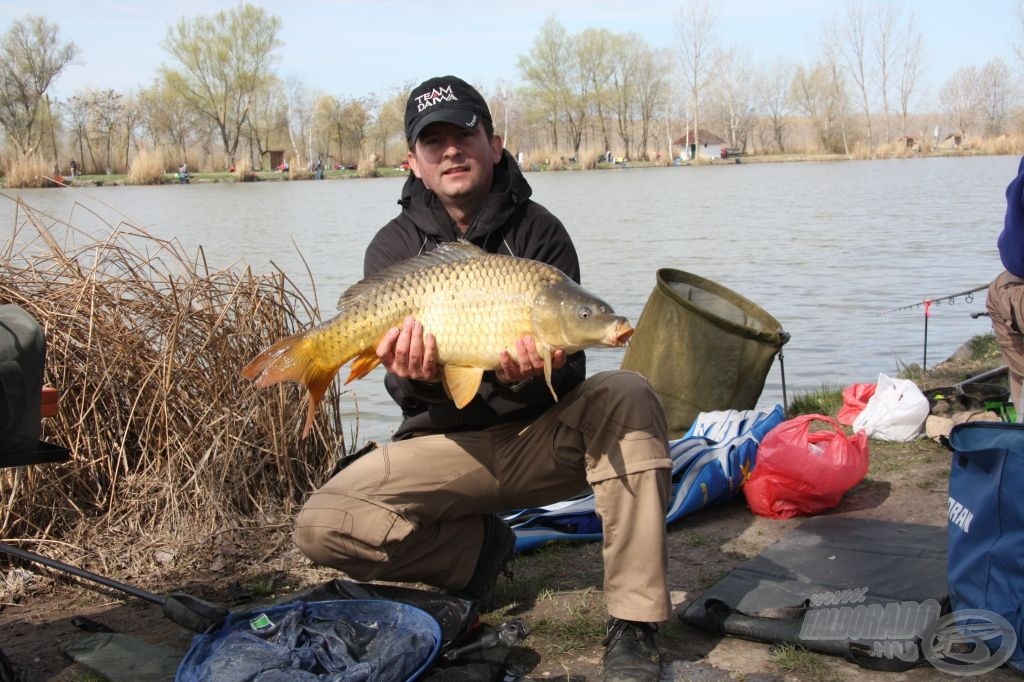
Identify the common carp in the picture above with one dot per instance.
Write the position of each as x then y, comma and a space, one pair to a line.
474, 303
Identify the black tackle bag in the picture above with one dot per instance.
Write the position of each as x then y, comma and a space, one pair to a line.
22, 356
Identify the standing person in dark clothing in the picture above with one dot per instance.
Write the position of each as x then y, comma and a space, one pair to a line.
1005, 301
425, 506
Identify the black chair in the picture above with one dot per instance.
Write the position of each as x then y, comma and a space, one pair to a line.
24, 402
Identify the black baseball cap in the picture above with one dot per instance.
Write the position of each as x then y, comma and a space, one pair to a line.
445, 98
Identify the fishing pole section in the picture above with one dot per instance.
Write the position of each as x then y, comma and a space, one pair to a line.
950, 299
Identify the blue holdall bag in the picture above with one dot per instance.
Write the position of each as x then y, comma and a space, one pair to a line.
986, 532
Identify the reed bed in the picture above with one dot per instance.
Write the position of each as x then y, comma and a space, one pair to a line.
170, 445
28, 172
148, 168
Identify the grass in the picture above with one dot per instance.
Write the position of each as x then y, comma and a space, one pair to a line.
825, 400
795, 660
978, 354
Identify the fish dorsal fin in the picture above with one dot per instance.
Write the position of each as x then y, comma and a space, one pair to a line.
447, 252
462, 383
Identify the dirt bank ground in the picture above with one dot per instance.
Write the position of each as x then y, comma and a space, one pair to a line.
557, 590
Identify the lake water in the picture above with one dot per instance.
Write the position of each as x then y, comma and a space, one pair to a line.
826, 248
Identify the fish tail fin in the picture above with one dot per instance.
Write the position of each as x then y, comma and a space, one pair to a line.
294, 359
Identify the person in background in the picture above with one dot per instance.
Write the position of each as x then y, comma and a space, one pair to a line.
1005, 299
425, 507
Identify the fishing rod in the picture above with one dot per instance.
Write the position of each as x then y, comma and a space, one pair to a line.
950, 299
968, 297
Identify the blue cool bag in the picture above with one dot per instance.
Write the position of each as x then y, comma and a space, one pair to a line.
986, 524
350, 640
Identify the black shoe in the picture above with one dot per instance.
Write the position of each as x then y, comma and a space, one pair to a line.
498, 546
630, 654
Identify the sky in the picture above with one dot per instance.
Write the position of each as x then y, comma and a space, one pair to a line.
351, 48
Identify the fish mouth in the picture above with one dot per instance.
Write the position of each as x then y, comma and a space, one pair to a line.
621, 333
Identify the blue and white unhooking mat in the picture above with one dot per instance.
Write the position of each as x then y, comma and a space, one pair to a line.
709, 465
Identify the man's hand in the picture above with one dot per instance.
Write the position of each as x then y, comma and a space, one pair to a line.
527, 362
409, 353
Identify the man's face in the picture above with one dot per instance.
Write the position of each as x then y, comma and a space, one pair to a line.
455, 162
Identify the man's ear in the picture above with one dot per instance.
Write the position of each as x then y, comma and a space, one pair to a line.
411, 158
497, 145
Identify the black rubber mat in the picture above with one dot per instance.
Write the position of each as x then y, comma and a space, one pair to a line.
858, 588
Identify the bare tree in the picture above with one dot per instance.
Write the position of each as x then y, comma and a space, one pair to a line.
504, 111
103, 121
224, 61
388, 124
910, 66
78, 116
31, 58
815, 95
961, 98
774, 95
169, 120
652, 68
597, 55
545, 70
855, 54
887, 43
1018, 47
348, 121
838, 96
733, 102
132, 115
625, 82
267, 121
301, 105
696, 25
994, 93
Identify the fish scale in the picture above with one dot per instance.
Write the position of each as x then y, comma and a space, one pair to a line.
474, 303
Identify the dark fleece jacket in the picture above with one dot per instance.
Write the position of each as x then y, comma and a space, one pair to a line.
508, 222
1011, 239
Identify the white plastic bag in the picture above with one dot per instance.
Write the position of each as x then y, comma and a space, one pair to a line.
896, 412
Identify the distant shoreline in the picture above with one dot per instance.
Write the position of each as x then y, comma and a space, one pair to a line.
117, 179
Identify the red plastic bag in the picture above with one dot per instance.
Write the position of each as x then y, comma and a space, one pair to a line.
804, 472
855, 399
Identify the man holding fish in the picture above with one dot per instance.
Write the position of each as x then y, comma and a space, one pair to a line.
480, 435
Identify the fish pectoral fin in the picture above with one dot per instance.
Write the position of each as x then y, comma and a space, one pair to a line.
461, 383
545, 353
363, 363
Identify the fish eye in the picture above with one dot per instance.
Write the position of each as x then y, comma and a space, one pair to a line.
585, 312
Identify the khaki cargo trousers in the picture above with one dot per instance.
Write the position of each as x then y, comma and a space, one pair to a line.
411, 510
1005, 305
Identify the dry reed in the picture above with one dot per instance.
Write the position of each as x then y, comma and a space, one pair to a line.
147, 168
145, 346
367, 167
27, 173
243, 171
